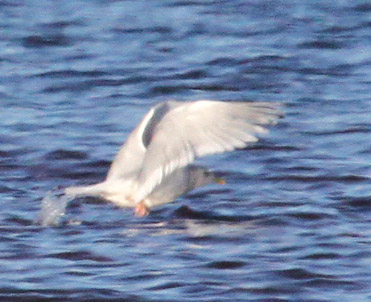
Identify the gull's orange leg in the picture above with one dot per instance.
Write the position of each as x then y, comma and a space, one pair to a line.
141, 209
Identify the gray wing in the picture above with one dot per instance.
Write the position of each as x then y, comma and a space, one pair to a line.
180, 182
189, 130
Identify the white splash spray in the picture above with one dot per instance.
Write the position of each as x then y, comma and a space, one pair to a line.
53, 207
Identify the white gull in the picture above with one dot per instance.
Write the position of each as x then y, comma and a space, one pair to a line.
152, 167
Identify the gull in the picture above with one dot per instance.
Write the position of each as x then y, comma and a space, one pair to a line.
153, 165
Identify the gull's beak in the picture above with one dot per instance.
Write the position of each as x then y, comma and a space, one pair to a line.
220, 181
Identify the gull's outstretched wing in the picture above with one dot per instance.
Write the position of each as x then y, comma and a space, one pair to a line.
129, 160
179, 132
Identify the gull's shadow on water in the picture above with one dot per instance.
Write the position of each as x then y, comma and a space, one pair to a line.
187, 212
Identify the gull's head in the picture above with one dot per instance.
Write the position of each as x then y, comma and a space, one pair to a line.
202, 177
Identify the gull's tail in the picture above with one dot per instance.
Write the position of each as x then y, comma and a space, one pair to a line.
54, 204
91, 190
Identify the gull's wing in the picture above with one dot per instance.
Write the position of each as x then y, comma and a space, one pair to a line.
184, 131
129, 160
179, 182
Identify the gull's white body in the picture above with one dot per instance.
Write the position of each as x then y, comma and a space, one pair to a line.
152, 167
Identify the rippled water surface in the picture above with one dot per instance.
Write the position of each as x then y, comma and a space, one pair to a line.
293, 221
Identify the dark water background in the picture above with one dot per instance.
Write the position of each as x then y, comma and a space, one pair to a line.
293, 221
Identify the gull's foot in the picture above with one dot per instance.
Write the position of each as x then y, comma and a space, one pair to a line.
141, 210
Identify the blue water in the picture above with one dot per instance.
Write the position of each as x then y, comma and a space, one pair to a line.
293, 221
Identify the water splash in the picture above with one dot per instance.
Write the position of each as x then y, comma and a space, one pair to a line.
53, 207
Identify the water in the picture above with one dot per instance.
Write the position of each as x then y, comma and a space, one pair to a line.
293, 221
